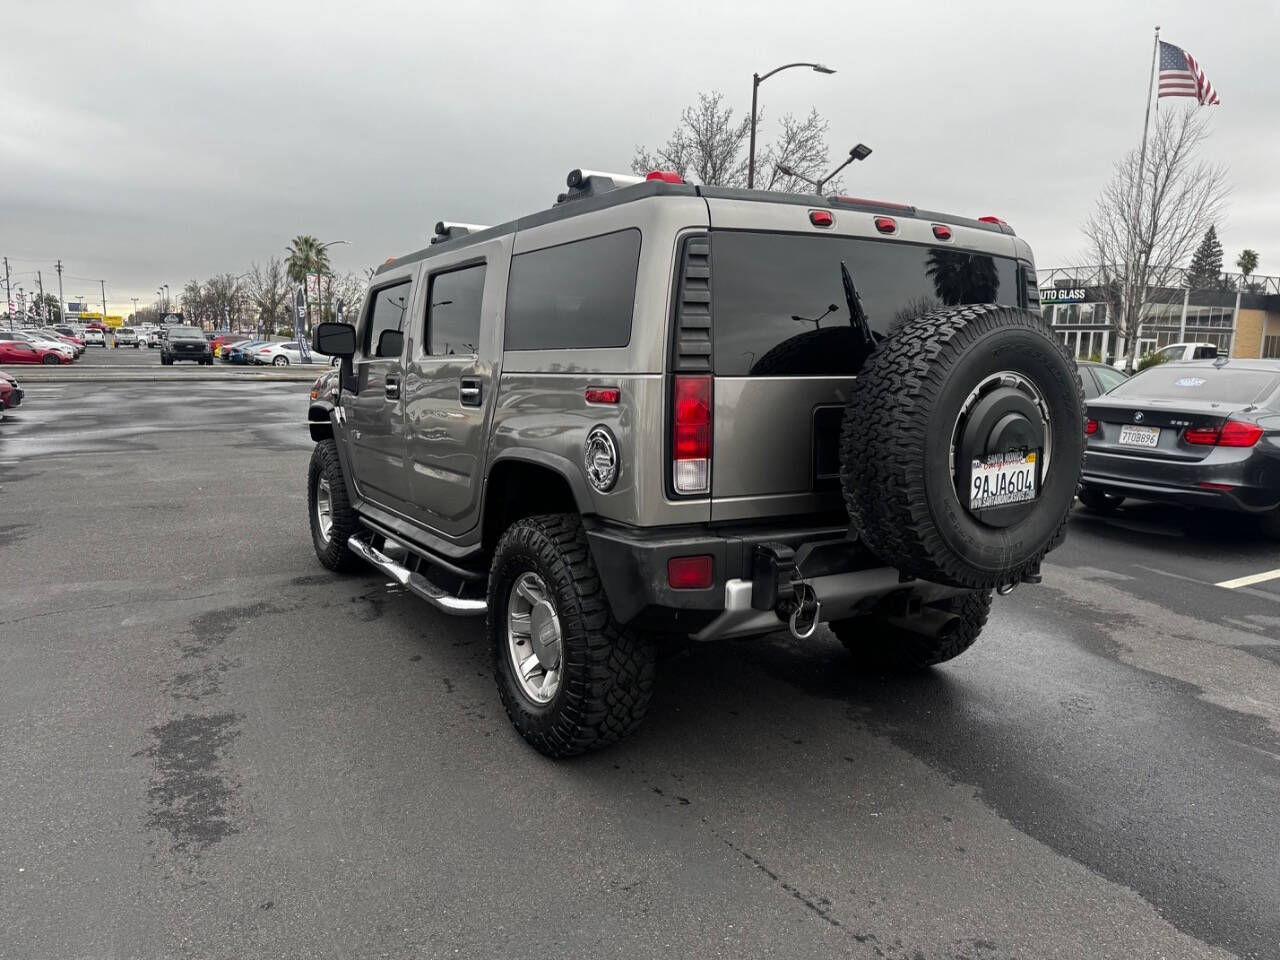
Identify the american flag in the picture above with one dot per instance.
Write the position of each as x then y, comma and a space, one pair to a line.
1181, 76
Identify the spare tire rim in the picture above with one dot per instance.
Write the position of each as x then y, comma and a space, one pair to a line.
534, 638
1015, 387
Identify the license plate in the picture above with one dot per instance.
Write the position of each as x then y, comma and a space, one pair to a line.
1134, 436
1002, 479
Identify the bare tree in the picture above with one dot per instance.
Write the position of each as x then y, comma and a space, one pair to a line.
1145, 226
708, 144
350, 290
801, 146
268, 289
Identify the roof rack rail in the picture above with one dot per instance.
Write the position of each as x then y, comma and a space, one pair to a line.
591, 183
450, 230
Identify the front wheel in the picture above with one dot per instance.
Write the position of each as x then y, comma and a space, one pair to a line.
280, 362
942, 632
331, 517
570, 677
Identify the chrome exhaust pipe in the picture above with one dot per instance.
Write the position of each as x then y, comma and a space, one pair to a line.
414, 581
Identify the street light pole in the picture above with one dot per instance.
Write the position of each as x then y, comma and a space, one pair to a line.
756, 80
135, 310
320, 278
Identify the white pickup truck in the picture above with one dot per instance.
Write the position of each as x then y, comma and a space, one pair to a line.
1177, 351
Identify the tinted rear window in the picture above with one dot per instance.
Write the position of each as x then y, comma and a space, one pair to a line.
779, 303
1208, 384
578, 295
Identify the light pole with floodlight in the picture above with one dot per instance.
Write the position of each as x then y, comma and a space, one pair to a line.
756, 80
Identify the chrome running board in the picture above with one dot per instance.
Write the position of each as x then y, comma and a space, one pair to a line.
416, 582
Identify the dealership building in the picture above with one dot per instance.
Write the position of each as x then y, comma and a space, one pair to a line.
1241, 318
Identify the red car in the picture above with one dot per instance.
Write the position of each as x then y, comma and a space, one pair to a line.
10, 393
18, 351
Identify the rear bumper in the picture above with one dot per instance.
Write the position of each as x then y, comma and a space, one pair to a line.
1253, 479
845, 577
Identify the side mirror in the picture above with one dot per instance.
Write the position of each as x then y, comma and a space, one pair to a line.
334, 339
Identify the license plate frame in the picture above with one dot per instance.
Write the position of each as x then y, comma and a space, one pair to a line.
1004, 480
1130, 432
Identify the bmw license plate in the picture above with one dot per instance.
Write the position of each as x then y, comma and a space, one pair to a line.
1135, 436
1002, 479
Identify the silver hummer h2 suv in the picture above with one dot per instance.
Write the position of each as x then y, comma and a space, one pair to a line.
662, 409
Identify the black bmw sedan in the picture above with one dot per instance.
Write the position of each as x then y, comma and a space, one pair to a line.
1199, 432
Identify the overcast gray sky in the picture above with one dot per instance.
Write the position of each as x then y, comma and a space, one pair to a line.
152, 142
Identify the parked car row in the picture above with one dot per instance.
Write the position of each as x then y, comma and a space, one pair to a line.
1197, 433
267, 353
42, 345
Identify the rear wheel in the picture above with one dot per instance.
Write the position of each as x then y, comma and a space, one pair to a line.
280, 362
570, 678
50, 358
1099, 501
332, 519
943, 632
962, 444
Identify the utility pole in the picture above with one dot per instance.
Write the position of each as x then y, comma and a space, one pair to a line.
40, 284
135, 310
62, 304
104, 301
8, 294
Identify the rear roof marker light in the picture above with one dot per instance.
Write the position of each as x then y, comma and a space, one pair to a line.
995, 220
886, 225
821, 218
941, 231
666, 176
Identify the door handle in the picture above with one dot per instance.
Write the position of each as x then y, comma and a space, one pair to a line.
393, 388
469, 393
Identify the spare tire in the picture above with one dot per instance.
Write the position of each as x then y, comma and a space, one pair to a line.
962, 444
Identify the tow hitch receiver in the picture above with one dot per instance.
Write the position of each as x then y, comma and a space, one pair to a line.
774, 586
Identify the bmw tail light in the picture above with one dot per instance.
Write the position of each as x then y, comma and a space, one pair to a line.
691, 434
1237, 433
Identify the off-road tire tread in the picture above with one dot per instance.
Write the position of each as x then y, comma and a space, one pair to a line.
891, 648
886, 420
336, 555
609, 696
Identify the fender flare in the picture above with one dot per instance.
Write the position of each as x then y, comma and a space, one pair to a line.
565, 468
320, 420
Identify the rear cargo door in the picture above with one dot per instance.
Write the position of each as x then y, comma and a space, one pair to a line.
785, 350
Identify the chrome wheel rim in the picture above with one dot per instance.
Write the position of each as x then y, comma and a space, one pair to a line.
534, 638
324, 509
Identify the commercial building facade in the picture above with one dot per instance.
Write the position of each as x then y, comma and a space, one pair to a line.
1241, 317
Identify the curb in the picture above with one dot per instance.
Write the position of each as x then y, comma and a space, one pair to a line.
79, 376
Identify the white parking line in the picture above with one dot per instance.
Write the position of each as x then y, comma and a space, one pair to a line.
1249, 580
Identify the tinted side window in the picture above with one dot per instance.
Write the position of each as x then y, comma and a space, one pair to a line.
387, 308
1109, 378
577, 295
453, 311
780, 307
1088, 381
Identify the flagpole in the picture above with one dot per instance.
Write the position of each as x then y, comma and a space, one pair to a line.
1142, 154
1131, 327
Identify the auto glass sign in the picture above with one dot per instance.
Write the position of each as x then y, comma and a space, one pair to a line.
1063, 295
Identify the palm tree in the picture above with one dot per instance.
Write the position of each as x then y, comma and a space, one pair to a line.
1247, 262
960, 277
307, 255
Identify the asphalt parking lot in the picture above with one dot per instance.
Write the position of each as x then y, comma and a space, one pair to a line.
211, 747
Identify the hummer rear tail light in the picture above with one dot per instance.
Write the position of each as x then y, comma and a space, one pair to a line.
691, 434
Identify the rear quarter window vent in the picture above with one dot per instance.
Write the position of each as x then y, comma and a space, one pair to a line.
692, 347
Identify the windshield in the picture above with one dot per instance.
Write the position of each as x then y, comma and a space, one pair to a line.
185, 333
1202, 384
